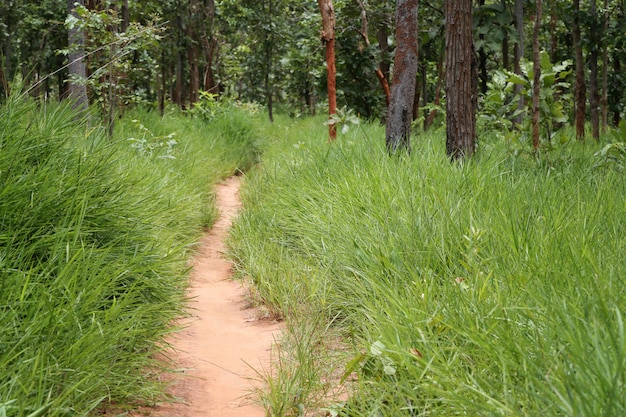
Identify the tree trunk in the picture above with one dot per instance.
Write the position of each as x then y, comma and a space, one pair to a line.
617, 69
328, 39
209, 45
553, 34
383, 42
604, 101
398, 134
77, 90
482, 62
594, 97
125, 16
461, 80
379, 73
580, 93
518, 54
267, 82
537, 75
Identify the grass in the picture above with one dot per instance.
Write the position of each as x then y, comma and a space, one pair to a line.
95, 235
493, 287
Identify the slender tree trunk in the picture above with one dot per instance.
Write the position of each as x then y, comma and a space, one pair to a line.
604, 101
461, 80
617, 69
328, 39
383, 42
518, 54
113, 78
4, 82
194, 26
379, 73
482, 62
161, 85
125, 15
580, 93
77, 90
209, 45
267, 82
537, 75
398, 132
178, 86
6, 47
553, 34
594, 97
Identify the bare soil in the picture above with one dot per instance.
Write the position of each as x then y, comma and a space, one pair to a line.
224, 341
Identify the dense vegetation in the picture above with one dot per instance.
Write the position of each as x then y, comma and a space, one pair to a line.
493, 287
95, 235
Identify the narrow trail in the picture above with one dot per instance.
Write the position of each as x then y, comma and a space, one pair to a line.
223, 338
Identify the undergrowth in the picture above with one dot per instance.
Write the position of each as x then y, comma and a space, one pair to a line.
95, 235
490, 287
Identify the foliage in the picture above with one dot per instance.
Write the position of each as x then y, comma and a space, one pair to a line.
343, 119
499, 109
492, 288
117, 59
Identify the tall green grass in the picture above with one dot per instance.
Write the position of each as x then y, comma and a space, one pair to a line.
95, 236
493, 287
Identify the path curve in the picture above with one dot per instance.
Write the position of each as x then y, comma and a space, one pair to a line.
223, 340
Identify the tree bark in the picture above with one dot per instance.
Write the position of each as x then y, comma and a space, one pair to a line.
594, 97
328, 39
125, 16
604, 101
77, 90
537, 75
617, 69
518, 54
210, 47
398, 132
482, 62
580, 93
553, 34
383, 42
461, 80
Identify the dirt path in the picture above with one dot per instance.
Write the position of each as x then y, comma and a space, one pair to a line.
223, 339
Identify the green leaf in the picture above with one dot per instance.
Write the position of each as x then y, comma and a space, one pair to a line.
377, 348
516, 79
352, 366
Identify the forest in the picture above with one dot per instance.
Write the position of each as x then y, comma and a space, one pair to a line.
434, 200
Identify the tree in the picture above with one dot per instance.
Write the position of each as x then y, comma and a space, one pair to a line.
536, 76
328, 39
461, 80
594, 97
400, 116
77, 89
518, 54
580, 89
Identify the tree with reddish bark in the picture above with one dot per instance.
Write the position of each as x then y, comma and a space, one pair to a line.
400, 113
461, 80
328, 39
